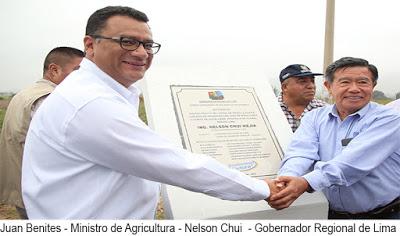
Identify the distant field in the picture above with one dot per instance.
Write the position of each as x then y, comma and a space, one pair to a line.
2, 113
383, 101
3, 106
6, 212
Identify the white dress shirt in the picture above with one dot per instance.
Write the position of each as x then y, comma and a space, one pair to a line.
89, 156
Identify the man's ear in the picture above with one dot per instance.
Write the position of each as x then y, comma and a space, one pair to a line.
88, 44
53, 73
283, 86
54, 70
328, 86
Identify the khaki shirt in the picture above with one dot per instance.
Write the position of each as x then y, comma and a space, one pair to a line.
12, 139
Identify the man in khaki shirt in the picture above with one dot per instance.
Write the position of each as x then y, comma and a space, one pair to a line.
58, 64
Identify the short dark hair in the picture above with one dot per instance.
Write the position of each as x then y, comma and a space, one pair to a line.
61, 56
97, 21
346, 62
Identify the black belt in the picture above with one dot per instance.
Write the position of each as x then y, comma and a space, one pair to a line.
376, 213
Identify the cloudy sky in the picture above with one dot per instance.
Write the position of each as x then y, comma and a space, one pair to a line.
209, 37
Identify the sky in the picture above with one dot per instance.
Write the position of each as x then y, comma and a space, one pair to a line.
209, 37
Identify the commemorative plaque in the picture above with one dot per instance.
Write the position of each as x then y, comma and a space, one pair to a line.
229, 124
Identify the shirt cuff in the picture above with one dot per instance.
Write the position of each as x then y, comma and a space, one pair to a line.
316, 180
261, 187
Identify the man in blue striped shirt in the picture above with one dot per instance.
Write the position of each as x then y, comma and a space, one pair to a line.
349, 150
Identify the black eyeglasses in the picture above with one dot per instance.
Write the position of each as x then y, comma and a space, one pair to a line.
131, 44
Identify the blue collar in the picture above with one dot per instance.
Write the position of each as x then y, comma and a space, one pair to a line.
360, 113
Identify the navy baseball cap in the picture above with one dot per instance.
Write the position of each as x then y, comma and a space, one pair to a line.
296, 70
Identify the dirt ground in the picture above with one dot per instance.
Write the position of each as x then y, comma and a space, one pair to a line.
8, 212
4, 103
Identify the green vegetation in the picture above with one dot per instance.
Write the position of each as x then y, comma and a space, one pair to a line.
4, 100
6, 96
142, 110
380, 97
2, 114
383, 101
8, 212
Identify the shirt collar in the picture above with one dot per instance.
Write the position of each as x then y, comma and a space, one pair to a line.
132, 92
46, 81
361, 113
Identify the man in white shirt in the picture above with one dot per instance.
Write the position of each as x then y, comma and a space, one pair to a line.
89, 156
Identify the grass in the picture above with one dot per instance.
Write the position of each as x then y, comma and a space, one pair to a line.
383, 101
142, 110
8, 212
2, 114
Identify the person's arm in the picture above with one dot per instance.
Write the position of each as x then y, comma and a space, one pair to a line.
118, 140
362, 155
300, 156
302, 151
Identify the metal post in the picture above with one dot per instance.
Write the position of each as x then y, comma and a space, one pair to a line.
329, 32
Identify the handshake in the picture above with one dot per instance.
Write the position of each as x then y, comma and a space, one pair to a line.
284, 190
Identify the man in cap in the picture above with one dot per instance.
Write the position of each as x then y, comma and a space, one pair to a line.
298, 93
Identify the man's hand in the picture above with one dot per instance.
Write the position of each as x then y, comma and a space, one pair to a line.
274, 187
294, 187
